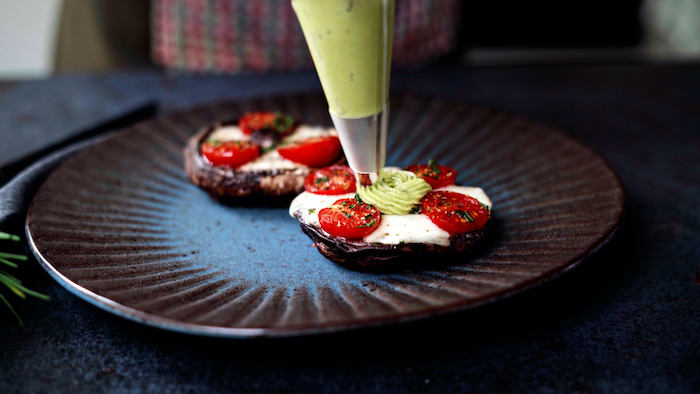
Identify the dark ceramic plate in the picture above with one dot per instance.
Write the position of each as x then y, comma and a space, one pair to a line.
120, 226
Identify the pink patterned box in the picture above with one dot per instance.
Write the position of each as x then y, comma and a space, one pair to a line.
234, 36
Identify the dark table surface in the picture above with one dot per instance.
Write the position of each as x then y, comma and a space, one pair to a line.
628, 320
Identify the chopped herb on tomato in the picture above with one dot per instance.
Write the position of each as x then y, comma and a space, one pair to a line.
230, 154
252, 122
453, 212
349, 220
282, 122
321, 180
433, 166
436, 175
465, 215
371, 223
331, 180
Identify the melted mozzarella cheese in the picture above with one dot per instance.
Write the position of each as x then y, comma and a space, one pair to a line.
272, 160
304, 132
228, 133
393, 229
417, 229
475, 192
308, 205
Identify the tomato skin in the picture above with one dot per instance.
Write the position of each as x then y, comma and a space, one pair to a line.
252, 122
349, 219
337, 179
230, 154
313, 152
445, 176
448, 211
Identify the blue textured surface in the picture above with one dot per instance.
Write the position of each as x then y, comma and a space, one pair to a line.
266, 237
626, 322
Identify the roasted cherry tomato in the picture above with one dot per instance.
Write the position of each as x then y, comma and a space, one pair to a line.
313, 152
436, 175
454, 212
251, 122
349, 218
230, 153
331, 180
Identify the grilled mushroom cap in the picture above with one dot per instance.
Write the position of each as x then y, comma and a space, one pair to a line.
235, 186
363, 256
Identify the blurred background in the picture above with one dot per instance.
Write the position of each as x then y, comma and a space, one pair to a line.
40, 38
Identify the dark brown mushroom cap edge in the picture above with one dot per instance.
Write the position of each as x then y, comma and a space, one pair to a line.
363, 256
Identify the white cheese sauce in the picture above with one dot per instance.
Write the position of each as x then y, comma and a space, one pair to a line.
271, 160
393, 229
308, 204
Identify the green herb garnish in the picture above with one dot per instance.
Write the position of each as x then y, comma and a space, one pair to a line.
282, 122
370, 224
6, 236
319, 180
486, 207
12, 283
312, 210
433, 166
465, 215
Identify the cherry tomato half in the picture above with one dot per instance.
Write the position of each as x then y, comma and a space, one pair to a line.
331, 180
313, 152
349, 219
251, 122
436, 175
231, 154
454, 212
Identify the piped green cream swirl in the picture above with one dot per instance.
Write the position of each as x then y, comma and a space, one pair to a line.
396, 192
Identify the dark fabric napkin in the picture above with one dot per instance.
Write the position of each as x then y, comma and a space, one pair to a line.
17, 194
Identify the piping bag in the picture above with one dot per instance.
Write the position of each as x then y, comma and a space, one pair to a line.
350, 43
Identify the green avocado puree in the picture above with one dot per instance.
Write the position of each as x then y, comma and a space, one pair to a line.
396, 192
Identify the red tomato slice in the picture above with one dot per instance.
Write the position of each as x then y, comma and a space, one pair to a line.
436, 175
313, 152
231, 154
454, 212
331, 180
349, 219
251, 122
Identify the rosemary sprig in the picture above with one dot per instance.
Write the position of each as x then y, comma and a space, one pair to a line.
11, 282
9, 236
